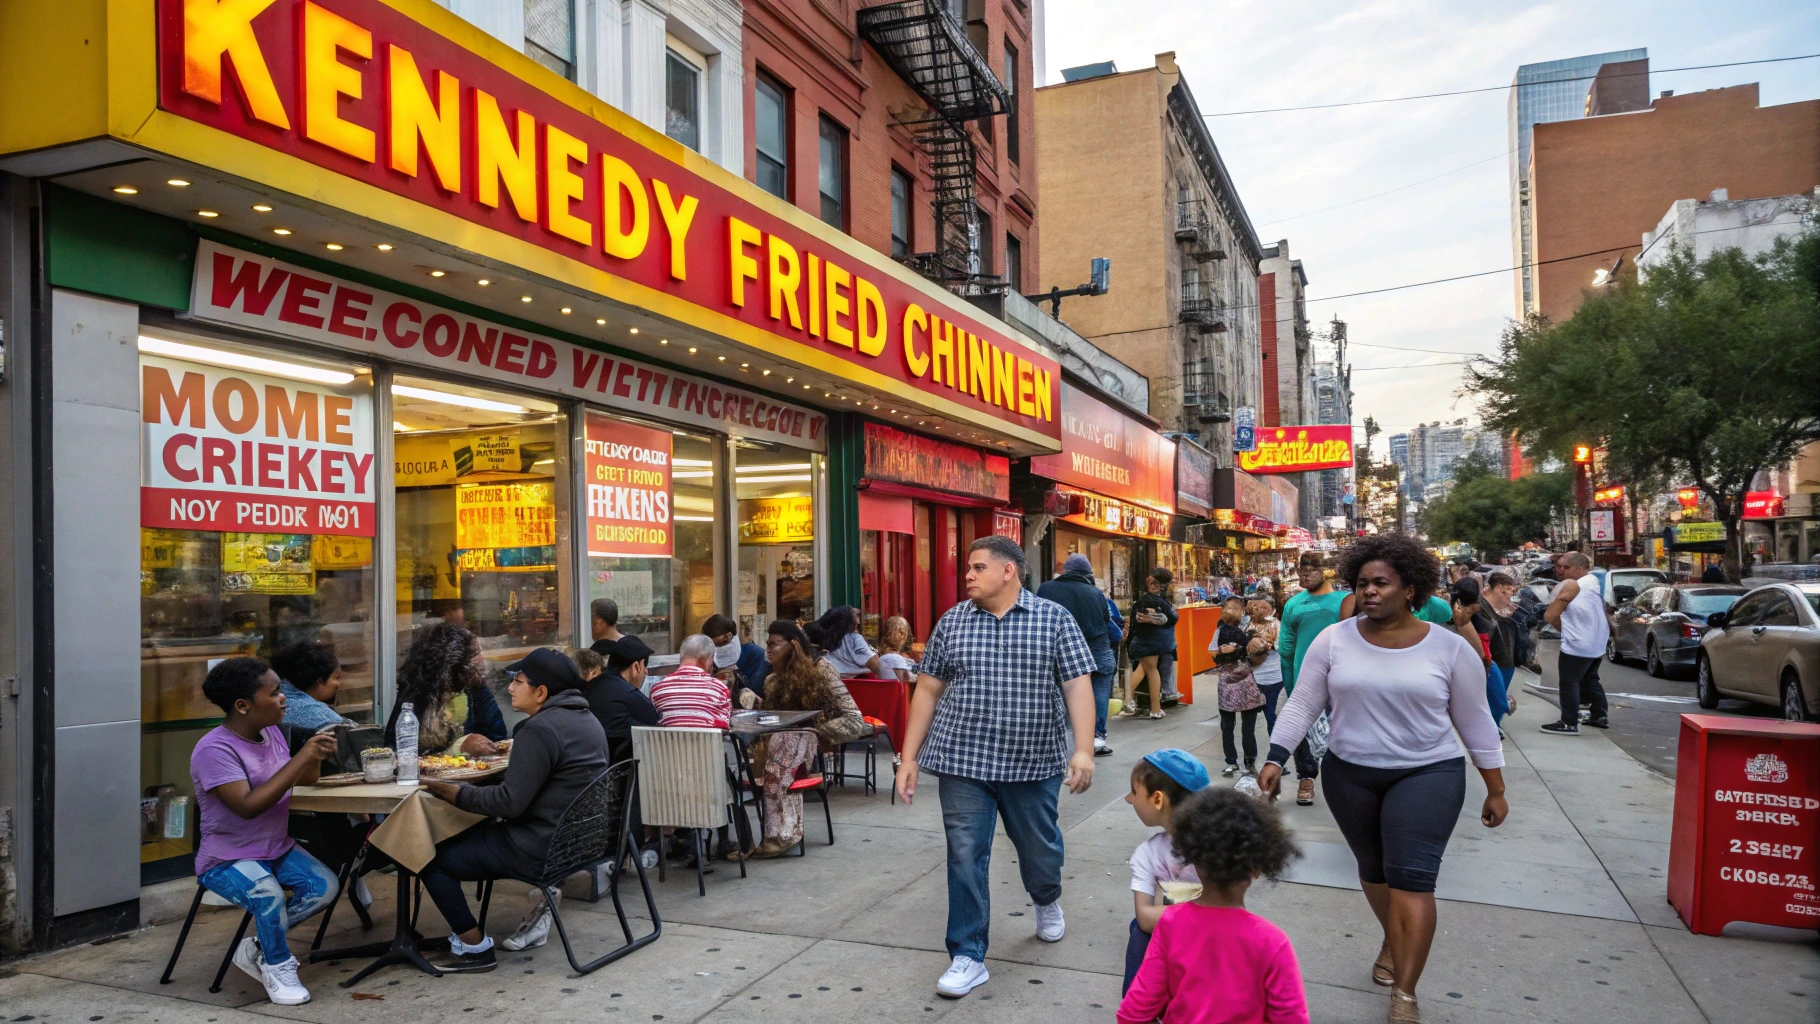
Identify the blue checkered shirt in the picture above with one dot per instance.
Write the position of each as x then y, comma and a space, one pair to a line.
1001, 717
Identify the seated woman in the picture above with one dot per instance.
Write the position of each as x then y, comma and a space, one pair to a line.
558, 752
243, 773
893, 645
443, 678
837, 633
310, 676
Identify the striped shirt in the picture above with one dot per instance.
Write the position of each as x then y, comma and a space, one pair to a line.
690, 698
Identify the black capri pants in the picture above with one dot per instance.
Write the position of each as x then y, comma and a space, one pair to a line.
1396, 820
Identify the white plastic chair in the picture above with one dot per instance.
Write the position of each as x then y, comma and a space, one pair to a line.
682, 783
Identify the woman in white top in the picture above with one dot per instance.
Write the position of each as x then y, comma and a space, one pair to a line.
1396, 688
837, 634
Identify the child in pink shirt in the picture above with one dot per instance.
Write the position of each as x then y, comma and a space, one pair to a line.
1211, 961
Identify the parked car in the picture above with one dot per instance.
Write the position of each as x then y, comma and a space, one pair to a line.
1766, 649
1664, 624
1611, 582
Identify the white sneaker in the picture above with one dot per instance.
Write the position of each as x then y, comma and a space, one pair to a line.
246, 957
534, 930
282, 986
962, 976
362, 893
1049, 924
1100, 747
648, 858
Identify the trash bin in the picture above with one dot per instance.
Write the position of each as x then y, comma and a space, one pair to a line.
1747, 811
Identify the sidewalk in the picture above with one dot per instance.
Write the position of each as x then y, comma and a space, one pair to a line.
1559, 915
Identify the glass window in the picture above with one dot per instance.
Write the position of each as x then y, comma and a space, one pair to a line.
550, 35
682, 100
771, 134
833, 173
1011, 87
774, 485
1700, 604
481, 479
257, 533
1749, 610
1781, 612
902, 189
983, 243
1014, 262
650, 503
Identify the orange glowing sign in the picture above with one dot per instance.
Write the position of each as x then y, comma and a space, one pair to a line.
1582, 453
1296, 449
1609, 493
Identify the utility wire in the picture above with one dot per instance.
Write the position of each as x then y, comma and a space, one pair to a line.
1502, 88
1375, 195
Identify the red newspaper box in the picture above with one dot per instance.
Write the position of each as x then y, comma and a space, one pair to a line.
1747, 822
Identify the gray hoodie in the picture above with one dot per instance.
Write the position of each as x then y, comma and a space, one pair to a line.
556, 753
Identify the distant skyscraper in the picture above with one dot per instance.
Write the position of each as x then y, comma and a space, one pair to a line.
1554, 90
1399, 449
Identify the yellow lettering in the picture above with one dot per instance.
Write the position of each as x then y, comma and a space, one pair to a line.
1043, 384
941, 349
741, 267
497, 158
980, 354
215, 27
414, 117
326, 80
785, 276
959, 377
677, 219
915, 320
871, 316
563, 186
815, 295
839, 304
1005, 383
618, 179
1025, 406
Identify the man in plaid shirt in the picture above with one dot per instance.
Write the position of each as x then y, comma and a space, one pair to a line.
1005, 678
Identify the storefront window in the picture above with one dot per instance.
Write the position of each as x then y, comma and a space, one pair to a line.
256, 508
774, 485
483, 516
651, 512
1112, 559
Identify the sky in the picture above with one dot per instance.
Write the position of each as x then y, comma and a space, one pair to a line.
1246, 54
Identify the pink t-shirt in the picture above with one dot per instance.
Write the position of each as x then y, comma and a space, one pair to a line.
221, 757
1216, 965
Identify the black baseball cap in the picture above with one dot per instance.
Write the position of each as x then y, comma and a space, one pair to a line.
1466, 591
628, 651
548, 668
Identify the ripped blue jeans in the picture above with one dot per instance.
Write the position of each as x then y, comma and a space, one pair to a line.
257, 886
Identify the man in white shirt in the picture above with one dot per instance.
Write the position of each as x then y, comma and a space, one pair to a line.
1578, 611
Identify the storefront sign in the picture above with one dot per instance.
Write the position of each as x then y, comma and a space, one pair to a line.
245, 290
267, 563
1699, 533
627, 468
1245, 522
1193, 478
777, 520
515, 515
229, 450
1107, 451
917, 461
486, 453
1239, 491
1109, 515
1244, 429
1688, 497
1763, 505
1602, 525
417, 121
1296, 449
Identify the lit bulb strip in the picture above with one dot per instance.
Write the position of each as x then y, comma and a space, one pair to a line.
239, 361
464, 401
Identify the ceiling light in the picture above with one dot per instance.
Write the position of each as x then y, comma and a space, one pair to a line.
465, 401
483, 282
776, 467
281, 231
692, 519
722, 358
692, 474
334, 246
765, 373
806, 387
544, 462
634, 330
792, 478
691, 349
745, 366
179, 182
207, 213
566, 311
826, 394
126, 190
261, 208
524, 298
663, 341
791, 380
690, 462
239, 361
384, 247
437, 273
600, 320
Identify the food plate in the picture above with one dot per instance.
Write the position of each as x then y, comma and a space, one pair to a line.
468, 774
343, 779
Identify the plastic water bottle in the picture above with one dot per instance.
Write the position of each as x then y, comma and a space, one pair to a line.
407, 746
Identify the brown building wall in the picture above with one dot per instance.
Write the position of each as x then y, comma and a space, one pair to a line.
1599, 183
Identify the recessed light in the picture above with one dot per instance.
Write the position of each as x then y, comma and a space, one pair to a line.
281, 231
334, 246
765, 373
179, 182
384, 247
722, 358
789, 380
744, 366
600, 320
524, 298
207, 213
483, 282
691, 349
805, 387
663, 341
566, 311
437, 273
126, 190
634, 330
262, 208
827, 394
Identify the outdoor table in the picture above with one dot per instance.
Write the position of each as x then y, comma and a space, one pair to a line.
746, 725
415, 822
887, 700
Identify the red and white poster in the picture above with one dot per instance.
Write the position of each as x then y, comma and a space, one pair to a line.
235, 451
628, 489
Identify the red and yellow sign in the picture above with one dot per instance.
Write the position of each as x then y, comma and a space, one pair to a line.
1298, 449
516, 515
1106, 451
403, 102
628, 488
777, 520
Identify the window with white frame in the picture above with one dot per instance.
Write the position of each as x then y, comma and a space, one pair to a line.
682, 99
550, 35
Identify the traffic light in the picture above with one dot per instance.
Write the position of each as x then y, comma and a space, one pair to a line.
1583, 453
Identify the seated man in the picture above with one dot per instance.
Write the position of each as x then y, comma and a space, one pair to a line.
557, 753
604, 625
617, 698
690, 697
731, 652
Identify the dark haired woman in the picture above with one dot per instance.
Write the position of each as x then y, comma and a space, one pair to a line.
1153, 618
443, 678
837, 633
310, 676
1397, 688
243, 773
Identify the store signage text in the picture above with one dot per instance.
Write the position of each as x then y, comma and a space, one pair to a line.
777, 520
1110, 515
627, 469
1297, 449
1699, 533
229, 450
358, 88
239, 288
898, 457
1193, 478
1763, 505
1107, 451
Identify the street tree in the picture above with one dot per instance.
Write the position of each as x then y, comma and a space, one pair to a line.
1494, 513
1706, 371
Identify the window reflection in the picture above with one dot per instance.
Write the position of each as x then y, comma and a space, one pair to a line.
774, 485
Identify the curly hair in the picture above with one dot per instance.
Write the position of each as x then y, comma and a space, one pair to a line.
1230, 837
305, 664
441, 664
800, 682
828, 631
1409, 560
233, 680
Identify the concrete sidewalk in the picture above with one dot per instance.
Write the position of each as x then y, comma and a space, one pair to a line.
1559, 915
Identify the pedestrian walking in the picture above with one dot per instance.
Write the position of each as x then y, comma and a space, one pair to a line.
1161, 782
1578, 611
1153, 618
1234, 647
1305, 616
1075, 590
1266, 629
1003, 715
1500, 604
1397, 689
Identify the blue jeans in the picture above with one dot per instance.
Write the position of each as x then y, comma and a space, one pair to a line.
1105, 670
1271, 693
1497, 693
257, 886
970, 812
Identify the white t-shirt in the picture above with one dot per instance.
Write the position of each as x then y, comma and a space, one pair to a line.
1155, 862
850, 658
1584, 628
888, 664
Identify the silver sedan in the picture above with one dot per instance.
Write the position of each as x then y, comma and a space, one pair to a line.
1766, 649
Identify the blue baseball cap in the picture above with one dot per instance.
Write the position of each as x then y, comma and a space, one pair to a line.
1181, 766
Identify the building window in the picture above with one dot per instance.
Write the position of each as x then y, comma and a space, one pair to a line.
774, 487
771, 130
833, 173
1014, 262
1011, 87
682, 100
983, 242
550, 35
902, 189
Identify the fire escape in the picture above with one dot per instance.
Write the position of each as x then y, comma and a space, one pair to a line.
927, 45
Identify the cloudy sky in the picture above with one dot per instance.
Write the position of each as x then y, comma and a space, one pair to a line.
1240, 55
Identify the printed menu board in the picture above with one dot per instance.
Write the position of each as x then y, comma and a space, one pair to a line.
628, 490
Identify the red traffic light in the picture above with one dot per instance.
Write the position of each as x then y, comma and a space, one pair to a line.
1582, 453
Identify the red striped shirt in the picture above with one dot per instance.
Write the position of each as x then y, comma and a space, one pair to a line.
690, 698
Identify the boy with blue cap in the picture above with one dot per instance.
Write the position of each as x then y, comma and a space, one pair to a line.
1160, 782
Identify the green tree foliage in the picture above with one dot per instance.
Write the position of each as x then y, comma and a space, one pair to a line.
1708, 372
1495, 514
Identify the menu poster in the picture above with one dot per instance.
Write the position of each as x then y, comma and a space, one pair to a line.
777, 520
486, 453
515, 515
631, 590
628, 490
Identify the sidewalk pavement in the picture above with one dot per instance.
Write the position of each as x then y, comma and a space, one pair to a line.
1559, 915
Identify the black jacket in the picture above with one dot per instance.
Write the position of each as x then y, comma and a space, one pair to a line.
619, 706
557, 753
1148, 639
1075, 591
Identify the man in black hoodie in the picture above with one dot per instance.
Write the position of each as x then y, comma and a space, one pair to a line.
558, 752
1074, 590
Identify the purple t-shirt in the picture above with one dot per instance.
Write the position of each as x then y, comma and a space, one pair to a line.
222, 757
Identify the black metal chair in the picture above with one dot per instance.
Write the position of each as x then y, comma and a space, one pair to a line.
594, 830
343, 880
747, 786
867, 745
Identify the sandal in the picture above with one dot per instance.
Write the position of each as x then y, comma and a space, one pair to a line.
1384, 971
1154, 715
1403, 1009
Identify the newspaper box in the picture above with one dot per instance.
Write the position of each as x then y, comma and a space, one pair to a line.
1747, 821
